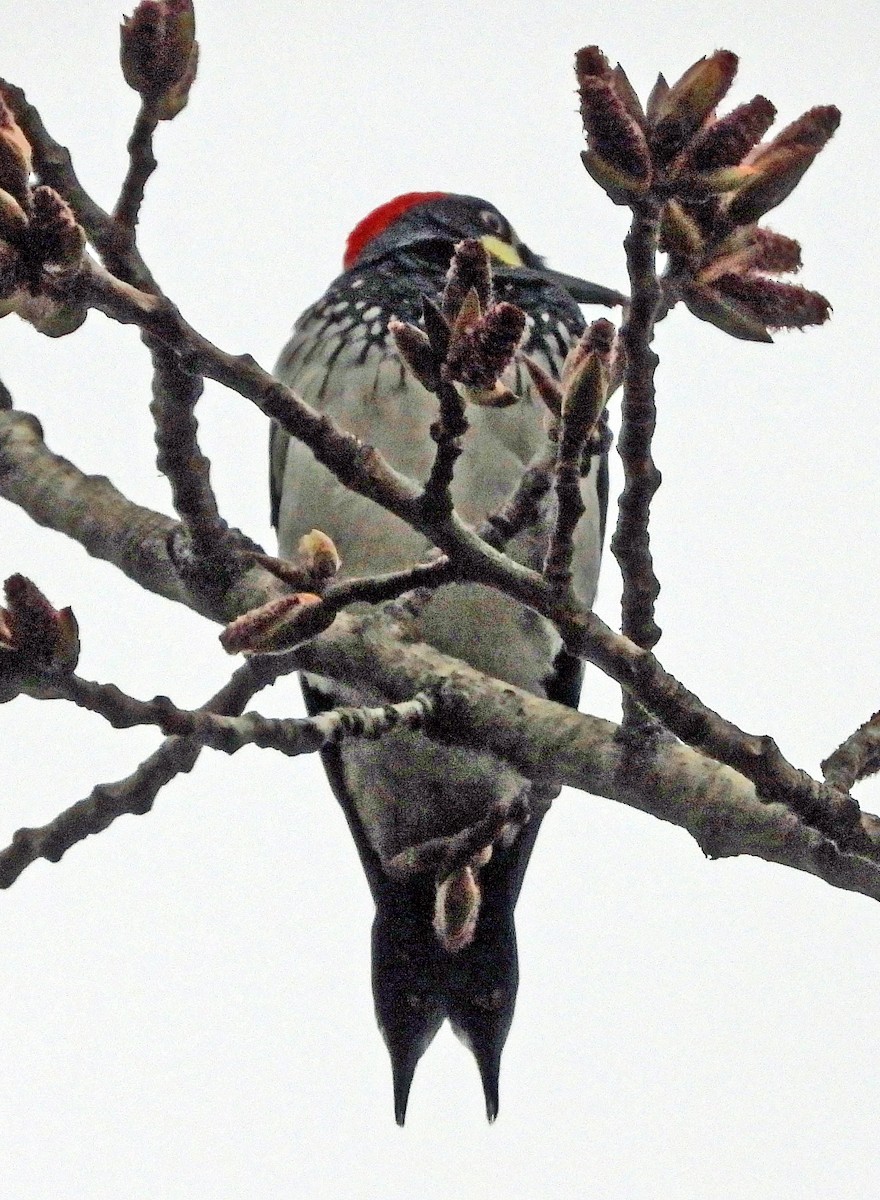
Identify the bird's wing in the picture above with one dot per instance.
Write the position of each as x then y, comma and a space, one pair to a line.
317, 702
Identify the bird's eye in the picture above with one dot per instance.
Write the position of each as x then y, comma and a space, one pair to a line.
494, 222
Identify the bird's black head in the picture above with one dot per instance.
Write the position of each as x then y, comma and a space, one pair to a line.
430, 224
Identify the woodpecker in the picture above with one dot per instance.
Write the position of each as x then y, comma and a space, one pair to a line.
429, 962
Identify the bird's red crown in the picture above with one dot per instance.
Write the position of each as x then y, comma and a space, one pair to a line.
378, 221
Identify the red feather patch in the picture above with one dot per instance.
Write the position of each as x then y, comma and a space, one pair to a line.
379, 219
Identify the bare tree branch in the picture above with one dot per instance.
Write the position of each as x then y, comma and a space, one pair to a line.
136, 793
630, 543
553, 745
856, 758
289, 735
141, 165
89, 509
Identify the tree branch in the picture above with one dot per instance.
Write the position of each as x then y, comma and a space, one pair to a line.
553, 745
136, 793
141, 165
856, 758
630, 544
289, 735
89, 509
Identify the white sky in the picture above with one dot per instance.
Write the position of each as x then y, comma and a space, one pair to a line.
186, 1007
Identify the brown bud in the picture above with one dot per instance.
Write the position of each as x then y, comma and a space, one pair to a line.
775, 177
590, 62
586, 377
415, 350
482, 349
56, 239
468, 270
159, 54
680, 235
625, 90
777, 305
726, 142
780, 164
456, 908
496, 396
436, 327
616, 141
13, 218
618, 186
752, 248
41, 637
709, 305
813, 128
545, 385
688, 103
319, 555
277, 626
175, 100
51, 317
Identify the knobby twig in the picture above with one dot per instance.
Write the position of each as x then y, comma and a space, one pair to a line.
136, 793
141, 165
856, 758
289, 735
175, 394
630, 543
447, 431
446, 855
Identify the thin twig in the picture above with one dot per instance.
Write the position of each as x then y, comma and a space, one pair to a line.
175, 394
447, 431
573, 431
136, 793
446, 855
141, 165
523, 508
291, 736
856, 758
630, 544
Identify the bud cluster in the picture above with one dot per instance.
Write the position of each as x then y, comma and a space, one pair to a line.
41, 243
591, 370
469, 339
714, 179
34, 636
289, 620
159, 54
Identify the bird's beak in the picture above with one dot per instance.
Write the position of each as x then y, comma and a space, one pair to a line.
503, 252
584, 292
580, 290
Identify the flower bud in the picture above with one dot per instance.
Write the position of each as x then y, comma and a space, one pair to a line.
468, 270
277, 626
727, 141
415, 349
159, 54
684, 107
40, 636
456, 907
319, 555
